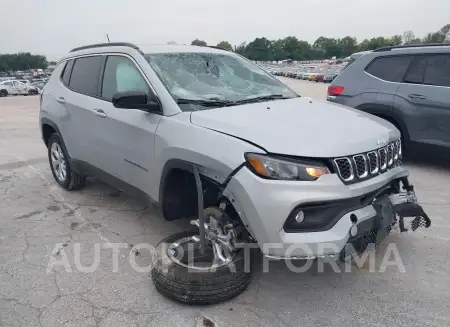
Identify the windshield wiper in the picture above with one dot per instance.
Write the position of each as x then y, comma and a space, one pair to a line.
263, 98
205, 103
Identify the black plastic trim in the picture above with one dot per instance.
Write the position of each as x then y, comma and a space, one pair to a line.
234, 172
406, 46
103, 45
353, 204
86, 169
168, 167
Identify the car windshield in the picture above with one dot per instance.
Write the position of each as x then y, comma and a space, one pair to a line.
215, 76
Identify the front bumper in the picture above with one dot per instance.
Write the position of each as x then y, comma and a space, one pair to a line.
264, 206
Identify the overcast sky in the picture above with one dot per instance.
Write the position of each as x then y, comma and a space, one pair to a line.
52, 27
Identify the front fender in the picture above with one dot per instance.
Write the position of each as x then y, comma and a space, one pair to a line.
180, 144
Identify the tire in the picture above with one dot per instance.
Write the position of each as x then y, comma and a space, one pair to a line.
72, 180
199, 287
3, 93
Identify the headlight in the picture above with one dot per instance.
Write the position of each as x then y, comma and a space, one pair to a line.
285, 169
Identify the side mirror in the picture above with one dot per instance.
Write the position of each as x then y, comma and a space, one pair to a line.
135, 100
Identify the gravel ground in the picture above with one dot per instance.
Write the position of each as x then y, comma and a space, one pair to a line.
40, 223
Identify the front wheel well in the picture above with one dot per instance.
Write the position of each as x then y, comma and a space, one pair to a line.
179, 196
47, 132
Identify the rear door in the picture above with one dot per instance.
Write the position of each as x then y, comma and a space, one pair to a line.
386, 73
20, 87
424, 99
82, 100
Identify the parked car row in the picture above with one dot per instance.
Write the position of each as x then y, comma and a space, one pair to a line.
325, 73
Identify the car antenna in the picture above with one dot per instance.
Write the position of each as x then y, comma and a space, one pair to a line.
107, 36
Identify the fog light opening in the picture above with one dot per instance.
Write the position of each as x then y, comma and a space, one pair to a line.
300, 217
353, 218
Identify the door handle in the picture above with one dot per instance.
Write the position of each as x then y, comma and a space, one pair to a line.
417, 96
61, 100
100, 113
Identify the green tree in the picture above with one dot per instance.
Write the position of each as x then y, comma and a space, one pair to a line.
291, 47
198, 42
225, 45
436, 37
408, 37
445, 31
396, 39
22, 61
348, 45
240, 49
259, 49
326, 47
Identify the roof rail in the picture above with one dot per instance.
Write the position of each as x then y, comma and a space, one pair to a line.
215, 47
112, 44
411, 46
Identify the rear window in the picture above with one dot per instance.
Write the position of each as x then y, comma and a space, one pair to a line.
438, 71
416, 71
390, 69
430, 70
67, 71
85, 75
351, 61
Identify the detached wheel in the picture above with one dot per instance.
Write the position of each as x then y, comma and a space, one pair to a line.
3, 93
197, 278
60, 165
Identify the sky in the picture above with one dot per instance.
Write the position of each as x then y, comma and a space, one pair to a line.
53, 27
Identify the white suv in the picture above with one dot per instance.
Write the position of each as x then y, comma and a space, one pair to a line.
205, 133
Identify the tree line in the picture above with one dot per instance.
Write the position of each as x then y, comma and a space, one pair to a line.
262, 49
22, 61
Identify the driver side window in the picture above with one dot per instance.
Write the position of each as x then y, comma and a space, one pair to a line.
121, 75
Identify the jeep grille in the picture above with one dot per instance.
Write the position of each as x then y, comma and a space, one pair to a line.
366, 165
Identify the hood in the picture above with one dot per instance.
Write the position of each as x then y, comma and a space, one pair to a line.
300, 127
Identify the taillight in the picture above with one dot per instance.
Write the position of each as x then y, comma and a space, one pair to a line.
335, 90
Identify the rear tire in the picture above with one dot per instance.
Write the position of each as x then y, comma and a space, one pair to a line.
69, 180
197, 287
3, 93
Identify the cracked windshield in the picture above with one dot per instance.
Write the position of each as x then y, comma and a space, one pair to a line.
226, 78
224, 163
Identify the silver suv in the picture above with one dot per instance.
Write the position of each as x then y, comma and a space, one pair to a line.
407, 85
205, 133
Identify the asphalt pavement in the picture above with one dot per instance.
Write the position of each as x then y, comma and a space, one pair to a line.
45, 282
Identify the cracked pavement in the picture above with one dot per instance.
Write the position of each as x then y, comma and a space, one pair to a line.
40, 222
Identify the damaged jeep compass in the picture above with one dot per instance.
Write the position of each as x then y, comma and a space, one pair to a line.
210, 136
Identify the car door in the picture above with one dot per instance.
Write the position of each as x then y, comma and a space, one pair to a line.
423, 99
128, 134
10, 87
20, 87
82, 120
